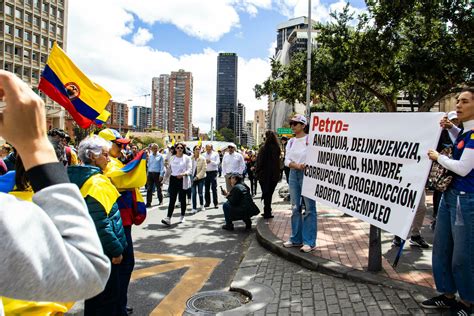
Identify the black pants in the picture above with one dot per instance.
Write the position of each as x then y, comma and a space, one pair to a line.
176, 188
253, 184
153, 179
286, 170
126, 269
210, 183
107, 302
267, 194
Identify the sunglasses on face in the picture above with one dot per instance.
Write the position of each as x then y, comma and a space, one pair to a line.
180, 148
293, 123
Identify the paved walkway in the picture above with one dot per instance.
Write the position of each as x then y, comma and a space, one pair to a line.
282, 288
345, 240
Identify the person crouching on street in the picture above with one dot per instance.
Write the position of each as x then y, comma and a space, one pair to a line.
239, 204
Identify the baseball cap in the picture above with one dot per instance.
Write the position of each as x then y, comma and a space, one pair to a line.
113, 136
452, 115
299, 118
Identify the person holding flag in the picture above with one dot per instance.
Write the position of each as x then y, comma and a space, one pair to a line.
128, 179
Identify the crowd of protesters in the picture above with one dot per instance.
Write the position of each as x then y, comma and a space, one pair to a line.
96, 259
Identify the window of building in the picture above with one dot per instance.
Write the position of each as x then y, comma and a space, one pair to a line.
18, 70
28, 17
36, 39
36, 4
43, 58
29, 2
26, 72
8, 48
44, 41
59, 31
60, 14
18, 32
28, 36
8, 29
52, 28
18, 51
52, 11
35, 56
18, 14
9, 10
44, 25
35, 74
51, 42
45, 8
8, 67
26, 53
36, 21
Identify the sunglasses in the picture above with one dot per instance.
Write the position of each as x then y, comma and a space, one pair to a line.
180, 148
294, 123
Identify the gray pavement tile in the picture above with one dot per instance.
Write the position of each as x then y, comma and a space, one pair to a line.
334, 309
385, 305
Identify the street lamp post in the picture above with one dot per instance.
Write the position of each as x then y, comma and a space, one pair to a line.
308, 64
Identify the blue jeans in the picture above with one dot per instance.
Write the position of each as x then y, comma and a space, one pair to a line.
453, 247
303, 228
226, 208
197, 188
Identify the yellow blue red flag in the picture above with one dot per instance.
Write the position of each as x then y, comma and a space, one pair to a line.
66, 84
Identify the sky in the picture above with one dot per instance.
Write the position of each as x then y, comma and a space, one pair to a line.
123, 44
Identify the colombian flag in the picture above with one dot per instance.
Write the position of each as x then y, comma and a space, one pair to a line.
102, 118
128, 179
63, 82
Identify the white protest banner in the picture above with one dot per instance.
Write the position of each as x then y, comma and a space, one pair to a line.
372, 166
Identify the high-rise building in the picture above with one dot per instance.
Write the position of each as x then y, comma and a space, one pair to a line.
292, 37
160, 97
141, 118
226, 92
259, 126
180, 115
28, 29
118, 118
247, 135
240, 123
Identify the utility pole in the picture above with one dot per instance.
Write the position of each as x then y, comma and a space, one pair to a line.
308, 64
212, 129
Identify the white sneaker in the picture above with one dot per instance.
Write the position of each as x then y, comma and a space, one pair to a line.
181, 219
166, 221
307, 248
193, 211
289, 244
203, 208
177, 205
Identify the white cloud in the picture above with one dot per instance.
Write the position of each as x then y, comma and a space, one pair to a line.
125, 69
142, 36
320, 12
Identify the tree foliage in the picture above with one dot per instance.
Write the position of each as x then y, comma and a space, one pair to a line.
421, 47
228, 134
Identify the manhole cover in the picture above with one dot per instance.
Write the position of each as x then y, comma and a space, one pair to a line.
209, 303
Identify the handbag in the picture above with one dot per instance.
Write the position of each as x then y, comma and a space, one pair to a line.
440, 178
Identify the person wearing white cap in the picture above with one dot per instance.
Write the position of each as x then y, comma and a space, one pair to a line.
232, 162
445, 141
303, 227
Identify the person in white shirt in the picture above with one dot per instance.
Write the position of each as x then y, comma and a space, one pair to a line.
212, 161
179, 171
303, 227
232, 162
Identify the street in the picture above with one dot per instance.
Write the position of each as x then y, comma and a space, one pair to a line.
200, 242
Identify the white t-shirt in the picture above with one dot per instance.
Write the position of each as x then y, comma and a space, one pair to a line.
296, 150
178, 165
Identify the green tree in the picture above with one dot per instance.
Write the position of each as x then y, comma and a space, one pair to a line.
217, 136
228, 134
421, 47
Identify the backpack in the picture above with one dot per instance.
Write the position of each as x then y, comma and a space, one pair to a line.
440, 178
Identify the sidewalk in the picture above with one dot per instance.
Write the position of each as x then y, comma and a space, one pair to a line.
342, 249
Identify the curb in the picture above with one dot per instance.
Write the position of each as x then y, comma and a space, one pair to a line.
269, 241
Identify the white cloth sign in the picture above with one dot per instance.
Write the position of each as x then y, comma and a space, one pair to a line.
372, 166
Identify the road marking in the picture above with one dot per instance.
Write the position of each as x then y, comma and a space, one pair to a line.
198, 272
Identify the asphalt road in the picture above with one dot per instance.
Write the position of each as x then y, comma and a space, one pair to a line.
197, 255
